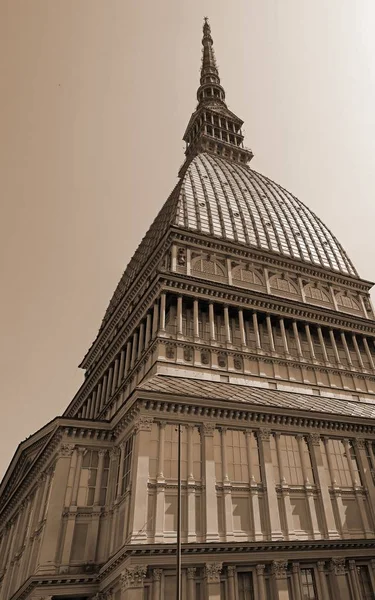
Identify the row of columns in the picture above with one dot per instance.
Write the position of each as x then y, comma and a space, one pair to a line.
342, 573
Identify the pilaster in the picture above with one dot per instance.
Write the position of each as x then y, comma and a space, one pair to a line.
212, 525
264, 435
132, 582
212, 580
140, 471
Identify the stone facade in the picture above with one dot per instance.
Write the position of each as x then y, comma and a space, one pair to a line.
267, 361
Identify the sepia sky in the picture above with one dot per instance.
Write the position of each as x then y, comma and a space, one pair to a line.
94, 99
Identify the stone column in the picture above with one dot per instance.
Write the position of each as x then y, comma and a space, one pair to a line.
308, 488
231, 572
227, 491
92, 406
212, 525
270, 333
357, 491
128, 357
211, 317
368, 352
298, 341
77, 474
148, 330
121, 368
109, 385
160, 482
323, 581
283, 335
269, 480
212, 580
254, 495
192, 536
141, 339
357, 351
261, 582
285, 491
279, 574
191, 583
156, 585
342, 591
346, 349
310, 342
228, 333
52, 527
98, 396
163, 299
256, 331
196, 319
104, 393
134, 349
296, 581
138, 509
354, 579
334, 346
322, 344
323, 483
132, 582
365, 470
155, 320
335, 488
179, 315
242, 327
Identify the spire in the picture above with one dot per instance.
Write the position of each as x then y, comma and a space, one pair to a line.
213, 127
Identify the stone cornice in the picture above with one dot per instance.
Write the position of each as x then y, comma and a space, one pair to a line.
86, 582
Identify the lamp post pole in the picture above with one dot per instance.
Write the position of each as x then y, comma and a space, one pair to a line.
178, 586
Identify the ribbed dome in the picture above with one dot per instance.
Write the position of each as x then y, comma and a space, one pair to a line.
230, 201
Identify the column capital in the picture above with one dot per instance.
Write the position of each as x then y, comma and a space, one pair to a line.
133, 577
191, 572
279, 569
359, 443
264, 434
337, 565
314, 439
66, 450
260, 569
352, 565
321, 565
212, 572
208, 429
231, 570
162, 424
295, 567
102, 452
156, 574
114, 452
143, 423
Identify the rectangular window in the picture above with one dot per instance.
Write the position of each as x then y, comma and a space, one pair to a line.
87, 479
104, 481
340, 463
128, 453
171, 452
367, 592
308, 585
238, 469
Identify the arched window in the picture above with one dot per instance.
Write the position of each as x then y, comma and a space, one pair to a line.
247, 275
317, 293
281, 283
346, 301
207, 265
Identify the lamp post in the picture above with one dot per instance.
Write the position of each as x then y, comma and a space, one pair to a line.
178, 584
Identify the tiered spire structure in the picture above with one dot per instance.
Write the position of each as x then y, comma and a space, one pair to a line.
213, 127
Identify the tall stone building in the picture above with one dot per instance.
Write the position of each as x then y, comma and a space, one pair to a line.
241, 317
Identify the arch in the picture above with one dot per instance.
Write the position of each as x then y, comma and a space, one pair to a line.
247, 275
346, 301
283, 284
317, 293
208, 266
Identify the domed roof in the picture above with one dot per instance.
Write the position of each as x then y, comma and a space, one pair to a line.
228, 200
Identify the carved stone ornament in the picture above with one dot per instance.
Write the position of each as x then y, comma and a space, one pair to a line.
222, 360
359, 443
188, 353
205, 357
279, 569
170, 351
231, 570
264, 434
237, 363
66, 450
338, 565
209, 428
212, 572
260, 569
314, 439
181, 257
156, 574
114, 452
143, 423
191, 573
133, 577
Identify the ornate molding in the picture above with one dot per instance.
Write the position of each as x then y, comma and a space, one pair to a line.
66, 450
314, 439
212, 572
337, 565
264, 434
133, 577
279, 569
260, 570
191, 573
208, 429
143, 423
156, 574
